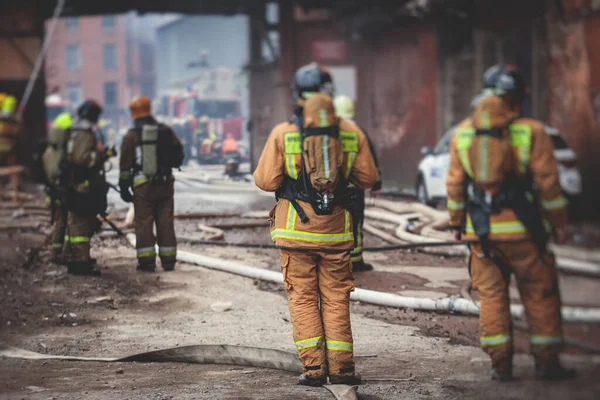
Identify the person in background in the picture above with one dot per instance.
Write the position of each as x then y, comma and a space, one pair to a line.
344, 108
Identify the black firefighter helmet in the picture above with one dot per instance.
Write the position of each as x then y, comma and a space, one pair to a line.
505, 80
89, 110
309, 79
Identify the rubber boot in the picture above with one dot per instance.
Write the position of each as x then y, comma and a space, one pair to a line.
501, 376
359, 266
553, 371
502, 368
58, 259
345, 379
168, 266
83, 268
143, 267
312, 380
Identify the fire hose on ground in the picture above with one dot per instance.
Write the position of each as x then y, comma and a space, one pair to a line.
453, 304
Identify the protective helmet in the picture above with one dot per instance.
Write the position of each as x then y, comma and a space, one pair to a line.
3, 96
90, 110
9, 105
503, 80
344, 107
63, 120
310, 79
204, 118
140, 107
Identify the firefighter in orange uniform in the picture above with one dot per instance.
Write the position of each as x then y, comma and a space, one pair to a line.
313, 227
503, 191
229, 145
149, 152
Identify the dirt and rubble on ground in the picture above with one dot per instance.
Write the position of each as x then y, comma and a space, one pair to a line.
412, 354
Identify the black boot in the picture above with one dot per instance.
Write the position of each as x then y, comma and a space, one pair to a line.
168, 266
312, 380
83, 268
359, 266
345, 379
553, 371
146, 267
501, 376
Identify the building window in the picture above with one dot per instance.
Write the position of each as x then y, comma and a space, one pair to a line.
109, 23
73, 57
72, 24
110, 94
74, 93
109, 55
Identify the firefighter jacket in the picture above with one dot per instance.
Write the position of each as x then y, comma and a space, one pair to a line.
282, 157
85, 162
208, 145
229, 146
532, 155
130, 162
9, 135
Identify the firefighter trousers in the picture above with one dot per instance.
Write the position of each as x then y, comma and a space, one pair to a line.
58, 230
153, 204
358, 218
78, 233
537, 283
318, 286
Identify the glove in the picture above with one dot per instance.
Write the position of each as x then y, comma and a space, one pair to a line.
377, 186
126, 194
110, 152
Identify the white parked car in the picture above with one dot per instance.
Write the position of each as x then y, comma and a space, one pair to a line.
433, 168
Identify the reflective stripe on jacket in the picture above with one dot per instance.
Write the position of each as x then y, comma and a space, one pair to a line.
282, 156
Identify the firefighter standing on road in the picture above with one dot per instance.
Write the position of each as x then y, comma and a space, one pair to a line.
502, 187
86, 189
344, 108
149, 152
315, 257
10, 132
53, 163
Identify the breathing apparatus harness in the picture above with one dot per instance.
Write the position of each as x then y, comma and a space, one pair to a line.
516, 193
292, 190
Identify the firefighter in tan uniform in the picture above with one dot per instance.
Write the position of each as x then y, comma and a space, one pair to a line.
54, 167
149, 152
503, 191
344, 108
10, 132
313, 228
86, 189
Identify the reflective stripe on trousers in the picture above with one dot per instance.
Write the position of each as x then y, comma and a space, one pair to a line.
496, 340
167, 251
455, 205
544, 340
77, 239
146, 252
316, 341
338, 345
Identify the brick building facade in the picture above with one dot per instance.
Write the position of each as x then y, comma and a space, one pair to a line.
107, 58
